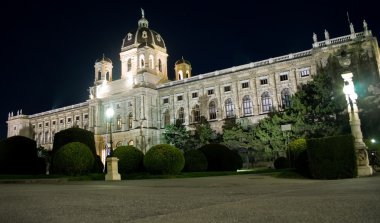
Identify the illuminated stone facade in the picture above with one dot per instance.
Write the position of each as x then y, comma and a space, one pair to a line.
144, 100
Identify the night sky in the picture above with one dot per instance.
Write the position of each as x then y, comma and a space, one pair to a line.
48, 48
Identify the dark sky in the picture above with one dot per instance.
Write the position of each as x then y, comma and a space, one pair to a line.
48, 48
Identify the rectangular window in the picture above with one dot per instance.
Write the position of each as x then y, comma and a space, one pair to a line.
179, 98
227, 88
304, 72
69, 120
283, 77
166, 100
53, 123
194, 94
61, 121
40, 125
77, 118
263, 81
47, 124
210, 91
245, 85
86, 116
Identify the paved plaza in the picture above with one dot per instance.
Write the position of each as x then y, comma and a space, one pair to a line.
243, 198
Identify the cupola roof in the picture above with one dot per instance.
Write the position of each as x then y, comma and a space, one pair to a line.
103, 58
182, 61
143, 36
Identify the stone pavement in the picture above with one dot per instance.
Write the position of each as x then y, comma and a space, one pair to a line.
243, 198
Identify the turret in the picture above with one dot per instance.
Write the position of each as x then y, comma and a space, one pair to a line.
103, 70
182, 69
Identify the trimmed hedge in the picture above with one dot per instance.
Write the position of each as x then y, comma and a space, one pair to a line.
195, 161
98, 165
74, 134
130, 159
302, 164
281, 163
164, 159
332, 157
74, 158
221, 158
18, 155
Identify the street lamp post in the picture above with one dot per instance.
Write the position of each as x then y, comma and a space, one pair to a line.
362, 156
112, 162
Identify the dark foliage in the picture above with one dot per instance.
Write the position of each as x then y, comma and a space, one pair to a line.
164, 159
221, 158
18, 155
130, 159
281, 163
302, 164
98, 165
195, 161
296, 147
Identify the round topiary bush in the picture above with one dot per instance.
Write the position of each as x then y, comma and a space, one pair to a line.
221, 158
281, 163
296, 147
195, 161
130, 159
74, 158
164, 159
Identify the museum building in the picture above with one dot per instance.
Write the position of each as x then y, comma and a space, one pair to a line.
145, 101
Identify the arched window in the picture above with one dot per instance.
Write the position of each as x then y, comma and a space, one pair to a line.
99, 76
181, 115
159, 65
212, 110
129, 64
142, 61
266, 102
118, 123
247, 105
285, 98
130, 120
130, 143
107, 76
229, 108
180, 75
151, 64
196, 114
166, 118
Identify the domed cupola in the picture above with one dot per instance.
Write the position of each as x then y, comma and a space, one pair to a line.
143, 36
143, 53
182, 69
